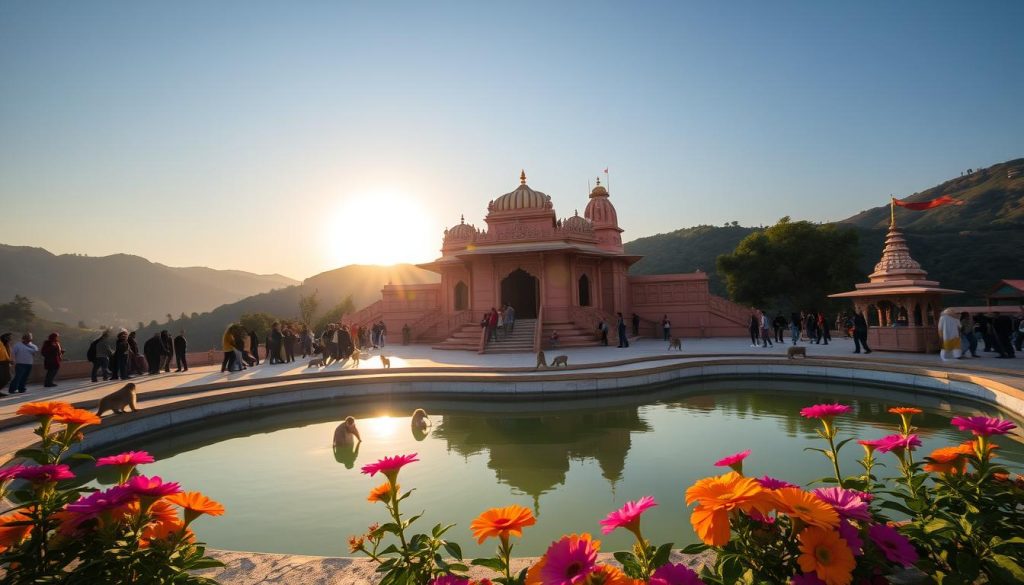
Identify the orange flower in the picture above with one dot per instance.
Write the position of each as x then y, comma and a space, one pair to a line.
947, 460
501, 522
382, 493
905, 410
12, 535
827, 555
609, 575
719, 495
76, 416
195, 504
796, 503
43, 408
166, 531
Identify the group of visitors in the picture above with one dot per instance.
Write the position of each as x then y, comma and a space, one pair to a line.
337, 342
814, 325
495, 322
999, 332
22, 355
120, 359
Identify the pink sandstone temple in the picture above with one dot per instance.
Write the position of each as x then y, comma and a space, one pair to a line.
562, 275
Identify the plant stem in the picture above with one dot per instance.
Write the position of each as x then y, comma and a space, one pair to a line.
830, 436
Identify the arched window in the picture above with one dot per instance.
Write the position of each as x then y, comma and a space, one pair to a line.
917, 315
461, 296
584, 286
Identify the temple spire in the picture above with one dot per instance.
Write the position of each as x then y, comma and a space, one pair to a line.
522, 177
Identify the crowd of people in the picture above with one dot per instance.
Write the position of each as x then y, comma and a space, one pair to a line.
999, 332
335, 343
497, 322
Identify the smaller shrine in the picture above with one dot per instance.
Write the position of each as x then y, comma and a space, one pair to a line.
899, 303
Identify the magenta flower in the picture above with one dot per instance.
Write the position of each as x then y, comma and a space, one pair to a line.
450, 580
127, 458
870, 446
862, 495
806, 579
9, 473
568, 561
734, 461
825, 411
151, 487
898, 443
389, 466
771, 483
847, 503
98, 502
983, 426
759, 517
895, 546
851, 535
628, 516
45, 473
675, 574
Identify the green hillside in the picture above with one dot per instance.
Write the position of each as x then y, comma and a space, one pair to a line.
687, 250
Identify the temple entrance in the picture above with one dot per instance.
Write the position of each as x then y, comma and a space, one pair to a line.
584, 288
522, 291
461, 296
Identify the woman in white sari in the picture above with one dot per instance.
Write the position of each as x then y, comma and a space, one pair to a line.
949, 334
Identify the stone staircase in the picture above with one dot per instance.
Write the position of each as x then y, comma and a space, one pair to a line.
518, 341
570, 335
466, 337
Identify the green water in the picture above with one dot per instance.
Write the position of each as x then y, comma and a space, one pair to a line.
571, 462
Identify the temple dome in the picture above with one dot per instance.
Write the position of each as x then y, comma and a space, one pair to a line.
522, 198
461, 231
599, 191
576, 223
600, 210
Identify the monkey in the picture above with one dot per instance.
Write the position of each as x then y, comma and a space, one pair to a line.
385, 362
562, 360
316, 363
347, 433
676, 343
118, 400
541, 360
420, 419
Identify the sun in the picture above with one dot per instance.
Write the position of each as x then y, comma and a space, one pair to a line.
382, 227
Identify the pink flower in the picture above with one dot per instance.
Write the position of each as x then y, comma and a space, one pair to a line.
806, 579
825, 411
152, 487
734, 461
851, 535
675, 574
895, 546
568, 561
45, 473
898, 443
628, 516
759, 517
98, 502
771, 483
450, 580
389, 466
9, 473
127, 458
847, 503
870, 446
983, 426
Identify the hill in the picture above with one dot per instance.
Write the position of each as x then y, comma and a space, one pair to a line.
120, 289
687, 250
362, 283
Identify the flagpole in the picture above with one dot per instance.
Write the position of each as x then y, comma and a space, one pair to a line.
607, 181
892, 210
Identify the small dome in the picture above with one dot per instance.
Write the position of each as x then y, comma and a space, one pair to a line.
598, 190
576, 224
600, 211
522, 198
461, 231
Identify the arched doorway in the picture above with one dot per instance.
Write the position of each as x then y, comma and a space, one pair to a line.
461, 296
522, 291
584, 287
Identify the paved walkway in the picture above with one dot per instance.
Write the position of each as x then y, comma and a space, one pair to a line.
423, 356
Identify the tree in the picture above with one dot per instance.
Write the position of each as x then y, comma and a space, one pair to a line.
308, 306
18, 310
343, 308
792, 265
258, 322
182, 316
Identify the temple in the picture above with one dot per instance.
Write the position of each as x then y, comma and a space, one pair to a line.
562, 275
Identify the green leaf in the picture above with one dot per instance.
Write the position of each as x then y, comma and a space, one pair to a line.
937, 525
625, 557
1007, 567
695, 549
453, 549
34, 454
661, 555
494, 564
82, 457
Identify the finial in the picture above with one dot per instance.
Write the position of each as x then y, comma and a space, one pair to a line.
462, 218
522, 177
576, 212
599, 181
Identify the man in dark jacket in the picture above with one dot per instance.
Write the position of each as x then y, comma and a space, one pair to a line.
167, 345
99, 355
153, 349
179, 351
860, 333
254, 346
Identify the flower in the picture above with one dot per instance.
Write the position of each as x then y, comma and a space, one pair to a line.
165, 530
826, 555
196, 504
382, 493
851, 535
76, 416
771, 483
869, 446
50, 473
127, 458
951, 460
450, 580
905, 410
43, 409
151, 487
501, 522
389, 466
608, 575
9, 473
569, 560
895, 546
717, 496
825, 411
983, 426
898, 443
806, 579
355, 543
847, 503
806, 506
12, 535
734, 461
628, 516
675, 574
96, 503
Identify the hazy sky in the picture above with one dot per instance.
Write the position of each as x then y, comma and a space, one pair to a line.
295, 137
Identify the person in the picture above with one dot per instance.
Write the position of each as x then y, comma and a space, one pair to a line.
949, 334
383, 333
5, 360
753, 327
860, 333
766, 338
306, 340
968, 339
180, 348
99, 355
621, 330
167, 345
289, 345
24, 354
135, 359
228, 345
1018, 332
981, 326
239, 334
328, 344
779, 325
812, 328
501, 321
153, 350
823, 327
510, 318
492, 324
554, 338
53, 355
274, 345
345, 344
1002, 329
602, 327
254, 346
666, 328
406, 334
122, 354
636, 325
794, 326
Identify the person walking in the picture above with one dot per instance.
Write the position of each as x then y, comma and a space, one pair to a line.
510, 318
254, 346
812, 328
274, 346
860, 333
823, 329
636, 325
135, 360
5, 360
779, 327
602, 327
122, 354
328, 345
794, 326
1002, 330
153, 349
766, 337
228, 345
492, 325
180, 349
99, 355
968, 338
289, 345
167, 346
621, 330
754, 326
666, 328
53, 355
24, 354
306, 341
949, 334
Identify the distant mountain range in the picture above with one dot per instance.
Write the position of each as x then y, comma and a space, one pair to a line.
120, 289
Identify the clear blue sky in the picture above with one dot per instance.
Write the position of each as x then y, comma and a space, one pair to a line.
260, 135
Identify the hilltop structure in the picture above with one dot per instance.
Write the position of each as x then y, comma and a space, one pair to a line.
559, 274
